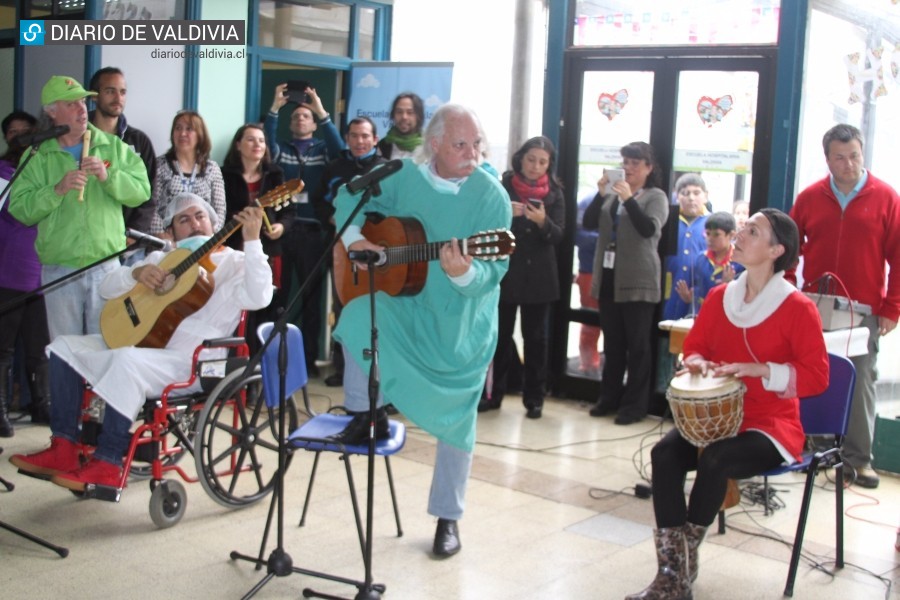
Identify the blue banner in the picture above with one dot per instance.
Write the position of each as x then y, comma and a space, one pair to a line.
374, 85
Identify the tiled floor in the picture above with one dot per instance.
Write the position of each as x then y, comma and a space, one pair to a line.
551, 514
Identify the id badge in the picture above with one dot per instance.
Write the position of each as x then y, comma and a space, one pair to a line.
609, 259
301, 198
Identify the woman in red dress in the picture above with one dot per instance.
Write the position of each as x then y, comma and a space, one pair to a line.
761, 329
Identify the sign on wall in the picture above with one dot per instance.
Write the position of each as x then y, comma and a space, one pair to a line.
374, 85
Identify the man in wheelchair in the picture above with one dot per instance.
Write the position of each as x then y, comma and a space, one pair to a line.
125, 377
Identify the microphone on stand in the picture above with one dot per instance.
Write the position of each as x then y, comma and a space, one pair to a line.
148, 240
375, 175
368, 256
33, 139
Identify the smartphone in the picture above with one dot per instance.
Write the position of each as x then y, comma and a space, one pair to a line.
535, 203
612, 176
296, 92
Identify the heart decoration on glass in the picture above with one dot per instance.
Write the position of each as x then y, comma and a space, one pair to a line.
612, 104
712, 111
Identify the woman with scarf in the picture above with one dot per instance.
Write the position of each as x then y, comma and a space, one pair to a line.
532, 282
761, 329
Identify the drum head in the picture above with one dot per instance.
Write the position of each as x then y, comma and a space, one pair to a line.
688, 385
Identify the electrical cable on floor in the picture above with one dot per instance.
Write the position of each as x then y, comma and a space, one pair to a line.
814, 561
754, 492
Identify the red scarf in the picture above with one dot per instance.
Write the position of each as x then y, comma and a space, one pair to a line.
527, 190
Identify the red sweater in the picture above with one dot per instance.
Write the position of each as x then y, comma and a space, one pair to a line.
854, 244
792, 335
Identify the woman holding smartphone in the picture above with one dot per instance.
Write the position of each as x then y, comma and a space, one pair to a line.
626, 280
532, 283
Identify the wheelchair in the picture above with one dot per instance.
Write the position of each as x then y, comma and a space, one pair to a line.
225, 427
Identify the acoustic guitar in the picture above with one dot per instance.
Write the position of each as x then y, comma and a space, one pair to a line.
147, 317
407, 254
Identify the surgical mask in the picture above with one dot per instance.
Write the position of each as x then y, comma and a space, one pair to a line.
192, 243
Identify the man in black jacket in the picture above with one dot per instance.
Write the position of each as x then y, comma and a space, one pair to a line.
360, 156
109, 83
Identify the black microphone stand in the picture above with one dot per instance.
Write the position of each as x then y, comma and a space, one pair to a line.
24, 296
63, 552
279, 562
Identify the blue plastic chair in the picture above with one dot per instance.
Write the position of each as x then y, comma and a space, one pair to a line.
313, 435
826, 414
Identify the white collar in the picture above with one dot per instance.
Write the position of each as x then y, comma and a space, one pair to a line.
445, 186
750, 314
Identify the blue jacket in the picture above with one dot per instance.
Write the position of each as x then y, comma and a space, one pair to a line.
308, 165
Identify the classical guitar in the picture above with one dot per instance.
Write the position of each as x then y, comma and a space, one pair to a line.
407, 254
147, 317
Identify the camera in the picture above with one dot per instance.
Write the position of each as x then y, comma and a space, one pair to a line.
296, 92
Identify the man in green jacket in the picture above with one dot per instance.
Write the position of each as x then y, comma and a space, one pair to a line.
75, 197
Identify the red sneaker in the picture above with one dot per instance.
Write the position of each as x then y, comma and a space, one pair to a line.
61, 457
95, 471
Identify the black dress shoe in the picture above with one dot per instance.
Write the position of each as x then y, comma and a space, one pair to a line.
446, 539
601, 410
486, 405
533, 413
335, 380
356, 433
627, 419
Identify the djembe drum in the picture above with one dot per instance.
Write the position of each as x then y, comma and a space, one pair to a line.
706, 410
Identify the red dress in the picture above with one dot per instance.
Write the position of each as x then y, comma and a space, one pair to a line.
792, 335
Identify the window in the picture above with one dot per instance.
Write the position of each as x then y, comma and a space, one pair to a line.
313, 26
676, 22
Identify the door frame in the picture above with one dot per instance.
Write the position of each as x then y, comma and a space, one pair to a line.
665, 62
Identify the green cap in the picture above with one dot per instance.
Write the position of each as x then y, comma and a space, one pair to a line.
65, 88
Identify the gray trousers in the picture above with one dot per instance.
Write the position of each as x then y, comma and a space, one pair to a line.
861, 429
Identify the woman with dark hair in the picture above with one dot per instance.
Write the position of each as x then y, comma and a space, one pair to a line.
186, 167
20, 272
761, 329
629, 217
249, 173
531, 284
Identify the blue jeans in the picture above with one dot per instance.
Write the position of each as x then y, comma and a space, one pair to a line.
73, 308
452, 465
66, 387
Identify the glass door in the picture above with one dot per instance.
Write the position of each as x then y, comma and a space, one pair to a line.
708, 115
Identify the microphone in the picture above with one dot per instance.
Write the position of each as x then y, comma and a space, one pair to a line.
375, 175
33, 139
368, 256
148, 240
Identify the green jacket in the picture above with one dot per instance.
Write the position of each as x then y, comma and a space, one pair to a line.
73, 233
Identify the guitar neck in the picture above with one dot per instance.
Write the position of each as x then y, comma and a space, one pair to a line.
217, 238
401, 255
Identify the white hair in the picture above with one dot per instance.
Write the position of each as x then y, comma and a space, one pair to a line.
438, 125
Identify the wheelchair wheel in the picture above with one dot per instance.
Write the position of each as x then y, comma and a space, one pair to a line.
167, 503
236, 451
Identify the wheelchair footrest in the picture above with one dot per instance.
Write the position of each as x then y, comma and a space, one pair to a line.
102, 492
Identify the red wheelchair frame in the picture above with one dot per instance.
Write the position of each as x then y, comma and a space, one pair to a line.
173, 426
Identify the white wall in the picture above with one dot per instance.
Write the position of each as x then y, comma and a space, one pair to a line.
477, 37
223, 83
155, 89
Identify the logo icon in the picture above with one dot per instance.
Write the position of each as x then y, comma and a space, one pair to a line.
31, 33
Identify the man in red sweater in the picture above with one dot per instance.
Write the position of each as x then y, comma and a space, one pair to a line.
850, 226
